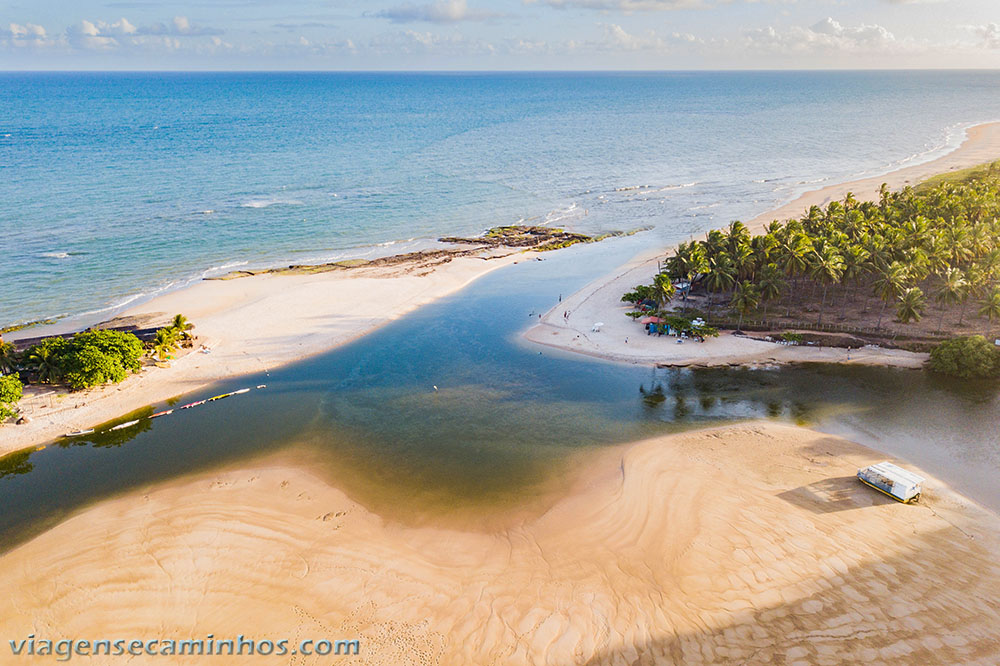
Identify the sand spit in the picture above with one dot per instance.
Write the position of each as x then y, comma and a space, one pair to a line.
747, 544
569, 326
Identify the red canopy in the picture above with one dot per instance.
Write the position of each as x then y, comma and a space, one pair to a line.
650, 320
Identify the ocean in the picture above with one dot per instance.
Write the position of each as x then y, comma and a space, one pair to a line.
118, 186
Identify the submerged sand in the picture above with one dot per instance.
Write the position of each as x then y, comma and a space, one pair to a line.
746, 544
570, 325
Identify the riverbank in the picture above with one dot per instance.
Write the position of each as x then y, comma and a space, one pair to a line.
750, 542
571, 325
255, 323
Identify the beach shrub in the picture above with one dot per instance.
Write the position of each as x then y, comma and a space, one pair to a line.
639, 294
966, 357
87, 359
10, 394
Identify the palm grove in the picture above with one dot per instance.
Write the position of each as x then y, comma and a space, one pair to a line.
878, 261
84, 360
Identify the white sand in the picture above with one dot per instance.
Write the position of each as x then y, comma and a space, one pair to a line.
600, 301
748, 544
252, 324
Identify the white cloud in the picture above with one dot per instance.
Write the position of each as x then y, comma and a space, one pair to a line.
616, 38
441, 11
180, 27
102, 36
90, 36
27, 35
826, 35
413, 42
989, 35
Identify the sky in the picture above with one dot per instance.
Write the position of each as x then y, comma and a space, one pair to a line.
498, 34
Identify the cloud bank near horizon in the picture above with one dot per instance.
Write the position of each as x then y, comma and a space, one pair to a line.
508, 34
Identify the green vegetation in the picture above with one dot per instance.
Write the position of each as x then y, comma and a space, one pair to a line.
940, 240
8, 357
966, 357
10, 394
169, 338
87, 359
90, 358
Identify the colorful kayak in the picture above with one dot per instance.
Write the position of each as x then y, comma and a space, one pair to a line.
169, 411
193, 404
226, 395
122, 426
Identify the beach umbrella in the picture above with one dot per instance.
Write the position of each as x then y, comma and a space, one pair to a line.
650, 320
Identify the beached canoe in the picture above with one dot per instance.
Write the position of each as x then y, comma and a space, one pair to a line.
122, 426
77, 433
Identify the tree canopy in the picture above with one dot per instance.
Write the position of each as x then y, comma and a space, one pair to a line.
87, 359
966, 357
10, 394
942, 240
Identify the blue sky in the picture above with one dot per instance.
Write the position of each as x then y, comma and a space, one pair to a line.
499, 34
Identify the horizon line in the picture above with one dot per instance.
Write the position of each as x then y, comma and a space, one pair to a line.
497, 71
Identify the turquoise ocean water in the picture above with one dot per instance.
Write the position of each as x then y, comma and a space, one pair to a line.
115, 187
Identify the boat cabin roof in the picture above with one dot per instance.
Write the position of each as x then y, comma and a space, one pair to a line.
896, 473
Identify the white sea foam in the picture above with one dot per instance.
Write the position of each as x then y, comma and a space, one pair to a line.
267, 203
213, 270
118, 305
561, 214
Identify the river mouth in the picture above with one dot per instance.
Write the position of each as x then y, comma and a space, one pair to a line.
446, 415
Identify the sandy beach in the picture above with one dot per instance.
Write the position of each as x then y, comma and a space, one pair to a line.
746, 544
254, 324
570, 325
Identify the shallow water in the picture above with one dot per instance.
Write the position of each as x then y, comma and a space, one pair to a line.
503, 417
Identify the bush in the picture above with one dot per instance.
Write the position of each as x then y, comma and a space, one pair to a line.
87, 359
966, 357
10, 394
639, 294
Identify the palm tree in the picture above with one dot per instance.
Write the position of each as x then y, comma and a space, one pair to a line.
889, 286
953, 289
855, 266
827, 267
182, 326
664, 289
911, 305
976, 278
771, 284
8, 356
42, 360
989, 307
165, 342
746, 298
721, 275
